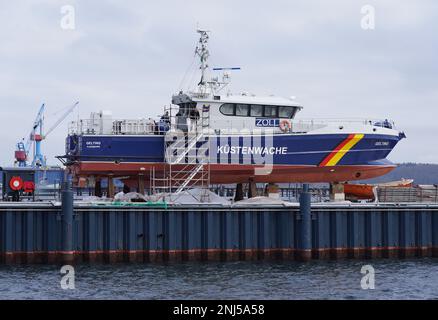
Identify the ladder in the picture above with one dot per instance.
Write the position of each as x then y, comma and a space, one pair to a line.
188, 157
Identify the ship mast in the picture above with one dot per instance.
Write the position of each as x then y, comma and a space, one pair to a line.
207, 85
203, 53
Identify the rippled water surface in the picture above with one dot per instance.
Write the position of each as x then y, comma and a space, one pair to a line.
394, 279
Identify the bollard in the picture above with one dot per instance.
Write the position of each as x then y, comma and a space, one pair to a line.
67, 254
305, 248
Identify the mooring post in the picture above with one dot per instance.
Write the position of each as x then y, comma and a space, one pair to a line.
67, 221
305, 249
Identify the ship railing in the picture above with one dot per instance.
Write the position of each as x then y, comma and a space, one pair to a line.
114, 127
384, 123
141, 126
241, 127
216, 127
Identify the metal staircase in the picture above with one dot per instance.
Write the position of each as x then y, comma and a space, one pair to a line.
187, 157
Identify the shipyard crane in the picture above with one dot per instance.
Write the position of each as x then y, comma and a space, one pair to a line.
23, 148
35, 138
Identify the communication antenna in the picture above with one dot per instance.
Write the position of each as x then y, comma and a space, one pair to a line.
206, 82
219, 85
230, 68
203, 53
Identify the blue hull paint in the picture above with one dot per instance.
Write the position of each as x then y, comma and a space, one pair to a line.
295, 149
116, 148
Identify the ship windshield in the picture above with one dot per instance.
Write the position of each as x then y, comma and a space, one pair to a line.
270, 111
256, 110
227, 109
287, 112
242, 109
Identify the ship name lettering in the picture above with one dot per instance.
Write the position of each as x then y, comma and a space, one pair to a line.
251, 150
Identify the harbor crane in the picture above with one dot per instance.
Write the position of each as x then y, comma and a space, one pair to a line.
36, 137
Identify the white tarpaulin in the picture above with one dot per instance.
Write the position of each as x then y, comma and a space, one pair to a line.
197, 196
256, 201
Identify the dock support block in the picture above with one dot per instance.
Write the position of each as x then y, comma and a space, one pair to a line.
239, 192
141, 183
98, 187
252, 190
110, 193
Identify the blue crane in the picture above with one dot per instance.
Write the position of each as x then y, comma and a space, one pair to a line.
36, 137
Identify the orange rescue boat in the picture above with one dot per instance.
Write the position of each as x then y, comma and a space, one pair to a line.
365, 191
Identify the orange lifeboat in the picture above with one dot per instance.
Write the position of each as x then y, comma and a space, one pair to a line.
365, 191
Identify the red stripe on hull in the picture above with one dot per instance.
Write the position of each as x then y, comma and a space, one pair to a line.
226, 173
335, 151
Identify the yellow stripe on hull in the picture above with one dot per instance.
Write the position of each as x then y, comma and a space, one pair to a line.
341, 153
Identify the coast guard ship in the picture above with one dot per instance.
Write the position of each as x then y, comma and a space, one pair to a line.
212, 136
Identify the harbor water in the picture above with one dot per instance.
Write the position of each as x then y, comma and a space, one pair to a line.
394, 279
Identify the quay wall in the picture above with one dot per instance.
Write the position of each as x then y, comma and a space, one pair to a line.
39, 233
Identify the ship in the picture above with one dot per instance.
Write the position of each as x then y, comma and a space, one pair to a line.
230, 138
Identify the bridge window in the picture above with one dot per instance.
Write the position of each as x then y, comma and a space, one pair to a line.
286, 112
227, 109
256, 110
242, 110
270, 111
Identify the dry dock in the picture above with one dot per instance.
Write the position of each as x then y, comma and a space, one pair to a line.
55, 233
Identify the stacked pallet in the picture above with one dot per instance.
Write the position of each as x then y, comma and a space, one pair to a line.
413, 194
428, 193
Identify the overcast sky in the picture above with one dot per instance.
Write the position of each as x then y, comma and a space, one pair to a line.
130, 56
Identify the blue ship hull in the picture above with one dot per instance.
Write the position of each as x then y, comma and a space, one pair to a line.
296, 149
293, 157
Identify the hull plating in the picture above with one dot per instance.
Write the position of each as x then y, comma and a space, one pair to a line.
281, 149
284, 158
223, 174
279, 158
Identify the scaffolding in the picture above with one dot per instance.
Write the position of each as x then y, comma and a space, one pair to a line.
187, 155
